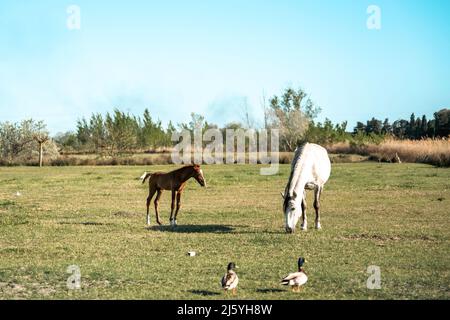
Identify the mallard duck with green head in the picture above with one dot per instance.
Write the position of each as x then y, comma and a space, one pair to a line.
296, 279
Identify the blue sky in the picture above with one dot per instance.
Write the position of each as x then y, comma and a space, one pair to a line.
210, 57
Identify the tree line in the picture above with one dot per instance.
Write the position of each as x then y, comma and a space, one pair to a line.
116, 132
292, 112
414, 128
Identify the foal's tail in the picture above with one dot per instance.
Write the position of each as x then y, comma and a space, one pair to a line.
145, 176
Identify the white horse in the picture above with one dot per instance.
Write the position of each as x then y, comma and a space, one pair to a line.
310, 170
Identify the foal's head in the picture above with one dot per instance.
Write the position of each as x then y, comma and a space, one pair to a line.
198, 175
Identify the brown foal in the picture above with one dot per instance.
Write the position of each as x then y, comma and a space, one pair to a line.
175, 181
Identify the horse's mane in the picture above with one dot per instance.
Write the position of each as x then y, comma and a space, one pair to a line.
297, 163
183, 168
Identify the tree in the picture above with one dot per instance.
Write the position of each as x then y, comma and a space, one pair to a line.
97, 132
197, 121
418, 126
41, 139
387, 128
66, 140
19, 141
15, 138
374, 126
170, 130
291, 114
442, 123
424, 128
360, 127
400, 128
148, 132
431, 132
83, 132
411, 130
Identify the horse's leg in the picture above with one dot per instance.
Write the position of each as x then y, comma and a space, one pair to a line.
304, 225
172, 207
178, 206
158, 196
151, 192
317, 192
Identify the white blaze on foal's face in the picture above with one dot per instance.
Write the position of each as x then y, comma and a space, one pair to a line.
198, 175
292, 211
203, 177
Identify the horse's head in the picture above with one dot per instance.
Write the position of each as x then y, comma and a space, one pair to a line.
198, 175
292, 211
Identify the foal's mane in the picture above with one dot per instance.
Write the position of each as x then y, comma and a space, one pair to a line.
184, 168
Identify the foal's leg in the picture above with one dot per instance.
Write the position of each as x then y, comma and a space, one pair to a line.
317, 193
304, 225
178, 206
172, 207
152, 191
158, 196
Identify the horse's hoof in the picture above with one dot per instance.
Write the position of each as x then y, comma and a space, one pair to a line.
304, 228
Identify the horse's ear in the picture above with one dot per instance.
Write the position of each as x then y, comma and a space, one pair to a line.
282, 194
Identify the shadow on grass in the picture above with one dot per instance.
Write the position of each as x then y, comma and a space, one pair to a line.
207, 228
269, 290
204, 292
86, 223
265, 231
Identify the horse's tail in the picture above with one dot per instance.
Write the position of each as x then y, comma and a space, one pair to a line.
145, 176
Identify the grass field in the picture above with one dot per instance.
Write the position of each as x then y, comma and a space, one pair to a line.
390, 215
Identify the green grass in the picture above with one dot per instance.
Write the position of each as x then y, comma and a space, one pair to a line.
389, 215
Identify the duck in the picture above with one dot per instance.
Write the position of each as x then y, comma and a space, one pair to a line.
296, 279
230, 280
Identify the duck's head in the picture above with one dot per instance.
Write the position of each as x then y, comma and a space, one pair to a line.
232, 266
301, 261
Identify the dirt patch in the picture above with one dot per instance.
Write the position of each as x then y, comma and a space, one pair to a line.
10, 288
382, 240
125, 214
347, 158
47, 291
365, 236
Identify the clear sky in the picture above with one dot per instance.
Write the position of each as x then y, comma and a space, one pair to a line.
178, 57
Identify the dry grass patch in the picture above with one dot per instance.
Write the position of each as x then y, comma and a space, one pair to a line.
430, 151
